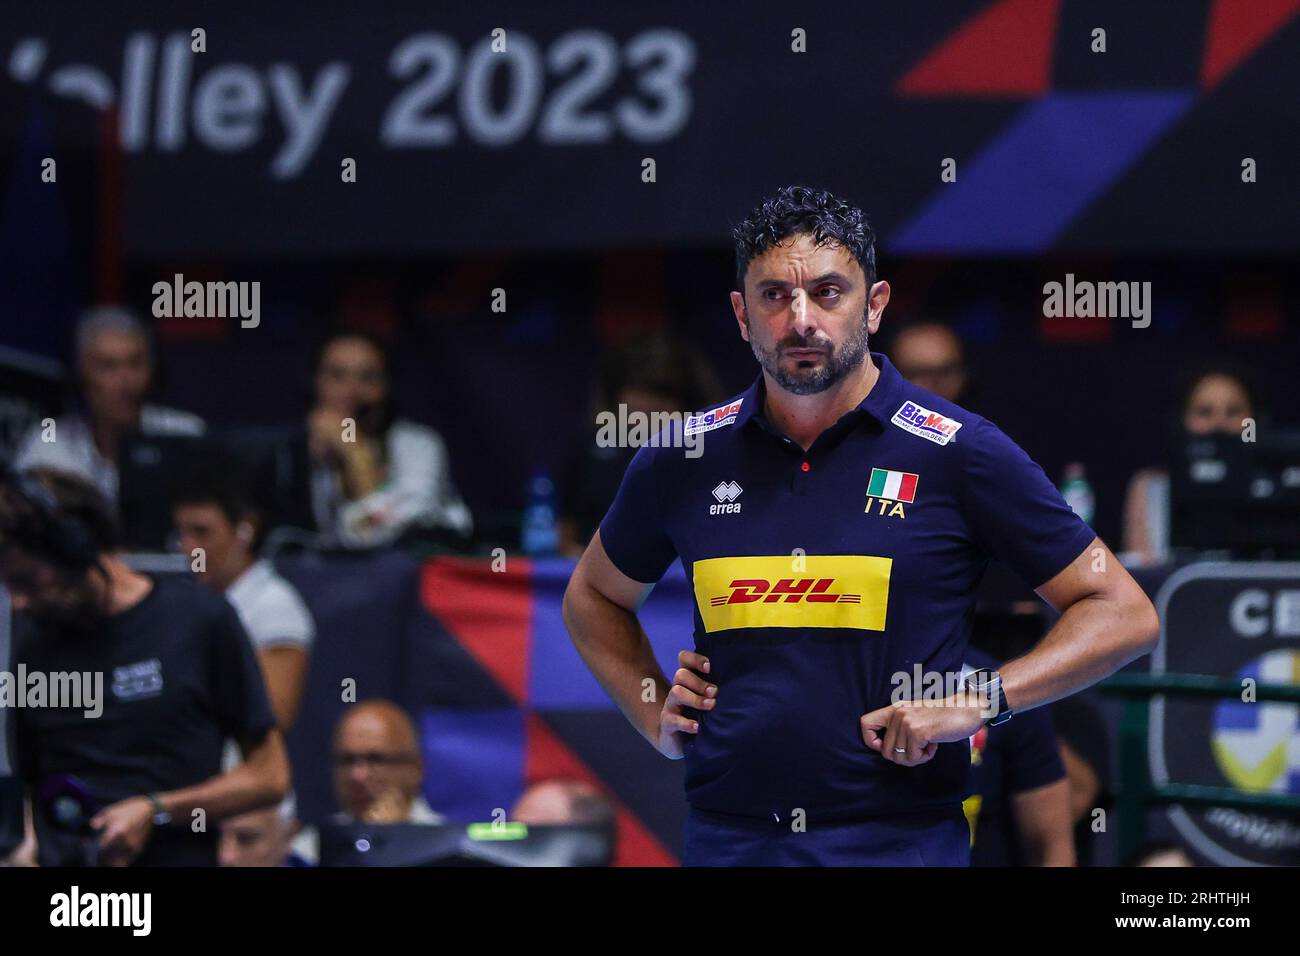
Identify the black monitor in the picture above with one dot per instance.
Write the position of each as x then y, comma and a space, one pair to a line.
474, 844
147, 469
1236, 499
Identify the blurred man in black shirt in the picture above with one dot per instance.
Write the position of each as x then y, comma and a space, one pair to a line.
1019, 809
140, 782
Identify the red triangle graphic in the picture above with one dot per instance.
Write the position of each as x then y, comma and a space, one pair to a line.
500, 605
548, 757
1004, 50
1237, 28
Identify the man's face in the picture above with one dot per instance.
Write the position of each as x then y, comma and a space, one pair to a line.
544, 804
806, 312
932, 359
48, 593
647, 402
115, 375
205, 525
260, 838
371, 761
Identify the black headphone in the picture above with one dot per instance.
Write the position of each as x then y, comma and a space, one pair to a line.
69, 538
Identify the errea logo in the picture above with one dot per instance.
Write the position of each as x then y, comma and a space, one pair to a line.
726, 494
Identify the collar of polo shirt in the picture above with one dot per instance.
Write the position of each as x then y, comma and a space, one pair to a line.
879, 403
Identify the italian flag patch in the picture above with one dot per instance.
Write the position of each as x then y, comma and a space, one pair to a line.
897, 485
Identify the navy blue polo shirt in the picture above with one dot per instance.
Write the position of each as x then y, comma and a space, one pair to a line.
819, 576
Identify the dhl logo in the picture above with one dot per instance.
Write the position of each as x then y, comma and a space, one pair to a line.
841, 591
812, 590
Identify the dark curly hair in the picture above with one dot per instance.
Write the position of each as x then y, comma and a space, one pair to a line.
54, 516
810, 211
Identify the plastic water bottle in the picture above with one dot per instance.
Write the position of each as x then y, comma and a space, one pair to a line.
541, 536
1078, 493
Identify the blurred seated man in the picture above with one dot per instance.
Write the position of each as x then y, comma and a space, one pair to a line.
650, 374
1019, 811
930, 355
1085, 744
115, 368
262, 837
119, 776
214, 512
1215, 401
572, 802
378, 768
372, 476
1162, 853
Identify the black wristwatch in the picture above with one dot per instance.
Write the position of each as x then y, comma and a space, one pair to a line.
988, 685
160, 815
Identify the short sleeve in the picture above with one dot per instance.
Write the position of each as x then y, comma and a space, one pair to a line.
34, 453
238, 690
1015, 512
1030, 754
278, 619
632, 531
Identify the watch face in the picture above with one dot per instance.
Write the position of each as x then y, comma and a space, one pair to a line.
983, 681
987, 684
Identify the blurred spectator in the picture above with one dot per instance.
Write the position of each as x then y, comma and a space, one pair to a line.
262, 837
136, 762
930, 355
214, 511
556, 802
655, 372
1215, 401
1019, 810
1162, 853
115, 369
373, 481
378, 768
1085, 748
24, 854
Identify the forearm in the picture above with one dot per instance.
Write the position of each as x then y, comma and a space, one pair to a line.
285, 671
1057, 850
262, 780
362, 468
615, 647
25, 854
1044, 823
1091, 640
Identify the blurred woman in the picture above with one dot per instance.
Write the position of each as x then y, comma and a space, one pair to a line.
373, 477
651, 373
1216, 401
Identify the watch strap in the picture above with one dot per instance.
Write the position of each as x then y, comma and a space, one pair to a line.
161, 817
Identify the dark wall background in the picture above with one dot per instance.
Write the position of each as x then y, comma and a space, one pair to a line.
510, 391
1123, 166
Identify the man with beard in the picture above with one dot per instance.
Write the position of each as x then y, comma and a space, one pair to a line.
140, 782
834, 531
